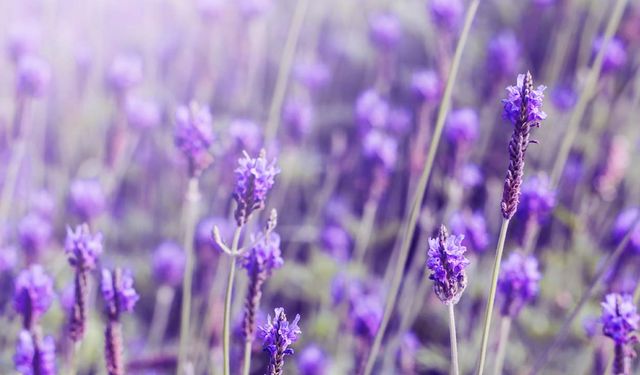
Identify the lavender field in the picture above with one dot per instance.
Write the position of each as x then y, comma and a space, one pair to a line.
319, 187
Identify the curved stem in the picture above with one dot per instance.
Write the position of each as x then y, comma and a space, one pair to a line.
284, 70
410, 225
190, 217
247, 357
505, 327
492, 295
227, 302
587, 94
454, 341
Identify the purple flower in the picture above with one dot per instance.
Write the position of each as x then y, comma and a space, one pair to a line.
427, 86
399, 121
29, 350
118, 293
538, 198
312, 361
503, 53
513, 102
264, 255
381, 148
278, 335
518, 283
615, 57
623, 225
462, 127
471, 176
564, 98
474, 227
336, 241
366, 314
620, 318
87, 198
168, 263
8, 258
43, 204
124, 73
447, 263
34, 75
385, 31
193, 136
254, 178
34, 233
33, 294
313, 76
142, 113
246, 135
446, 14
371, 110
82, 247
298, 116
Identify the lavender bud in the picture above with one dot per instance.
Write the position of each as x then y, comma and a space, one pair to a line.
474, 228
427, 86
87, 199
336, 241
278, 335
462, 128
246, 135
518, 283
371, 111
168, 264
538, 198
446, 14
33, 294
23, 39
502, 55
313, 76
82, 247
125, 72
35, 356
118, 292
564, 98
523, 107
34, 75
381, 148
298, 116
254, 178
623, 225
615, 57
366, 314
194, 135
620, 321
385, 31
34, 233
312, 361
142, 113
447, 262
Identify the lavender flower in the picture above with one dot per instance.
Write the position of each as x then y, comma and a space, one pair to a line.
87, 199
313, 76
168, 263
119, 296
254, 178
474, 228
503, 53
246, 135
278, 335
194, 135
312, 361
615, 57
142, 113
462, 127
620, 321
538, 198
380, 148
427, 86
82, 249
371, 111
366, 315
336, 241
33, 294
34, 75
623, 225
34, 233
298, 116
447, 262
43, 204
260, 261
35, 356
446, 14
385, 31
125, 72
523, 107
518, 283
564, 98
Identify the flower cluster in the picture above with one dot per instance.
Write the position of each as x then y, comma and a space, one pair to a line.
278, 335
254, 178
518, 283
33, 294
32, 355
538, 197
118, 292
620, 318
193, 136
168, 263
447, 264
473, 226
82, 247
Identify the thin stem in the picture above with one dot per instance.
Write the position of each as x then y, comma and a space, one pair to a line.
587, 94
505, 327
564, 329
410, 226
364, 229
191, 213
454, 341
164, 300
492, 295
227, 302
283, 72
247, 357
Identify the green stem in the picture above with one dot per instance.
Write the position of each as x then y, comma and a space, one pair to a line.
454, 341
492, 295
587, 94
410, 226
226, 328
247, 357
505, 327
283, 71
364, 229
164, 300
191, 213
